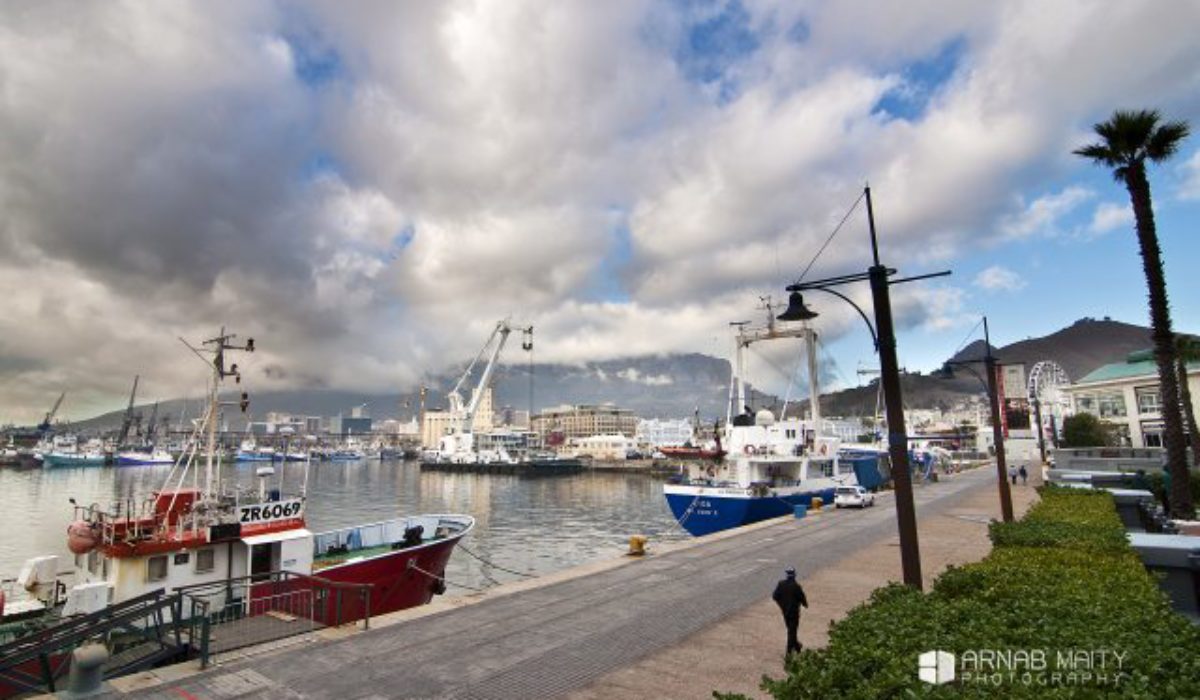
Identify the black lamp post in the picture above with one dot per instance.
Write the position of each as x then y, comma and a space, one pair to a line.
990, 365
884, 335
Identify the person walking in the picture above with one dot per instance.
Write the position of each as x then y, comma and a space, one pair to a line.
789, 596
1024, 474
1012, 474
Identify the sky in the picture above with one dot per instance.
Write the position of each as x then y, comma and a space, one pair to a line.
366, 188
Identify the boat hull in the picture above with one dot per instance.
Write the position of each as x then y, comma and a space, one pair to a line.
53, 461
707, 511
396, 583
537, 467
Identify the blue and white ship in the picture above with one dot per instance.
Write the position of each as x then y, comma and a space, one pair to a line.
770, 465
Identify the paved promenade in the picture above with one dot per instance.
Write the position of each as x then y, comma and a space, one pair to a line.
679, 623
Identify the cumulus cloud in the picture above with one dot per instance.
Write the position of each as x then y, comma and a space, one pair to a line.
1110, 216
1189, 178
366, 188
998, 278
1043, 215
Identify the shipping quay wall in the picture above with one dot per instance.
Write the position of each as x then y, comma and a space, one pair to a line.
682, 621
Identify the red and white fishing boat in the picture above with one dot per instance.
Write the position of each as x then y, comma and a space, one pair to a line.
197, 531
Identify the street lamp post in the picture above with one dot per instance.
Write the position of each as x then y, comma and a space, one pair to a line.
990, 366
884, 335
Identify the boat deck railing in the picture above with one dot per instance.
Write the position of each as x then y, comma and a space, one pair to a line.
265, 607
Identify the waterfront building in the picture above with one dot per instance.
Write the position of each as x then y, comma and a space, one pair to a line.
1126, 395
349, 425
603, 447
585, 421
654, 432
436, 423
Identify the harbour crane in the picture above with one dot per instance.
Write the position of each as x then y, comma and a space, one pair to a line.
462, 440
44, 426
127, 420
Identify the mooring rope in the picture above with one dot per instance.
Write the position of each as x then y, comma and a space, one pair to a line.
494, 565
412, 565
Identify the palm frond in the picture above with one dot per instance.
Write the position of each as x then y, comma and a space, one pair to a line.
1164, 142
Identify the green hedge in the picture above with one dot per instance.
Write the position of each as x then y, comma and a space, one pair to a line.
1063, 578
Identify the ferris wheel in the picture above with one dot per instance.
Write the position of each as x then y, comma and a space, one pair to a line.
1047, 380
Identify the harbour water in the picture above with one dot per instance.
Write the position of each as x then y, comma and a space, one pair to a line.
533, 526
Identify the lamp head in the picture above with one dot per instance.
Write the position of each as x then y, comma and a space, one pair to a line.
796, 310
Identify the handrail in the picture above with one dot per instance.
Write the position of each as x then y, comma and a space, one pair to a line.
82, 627
268, 577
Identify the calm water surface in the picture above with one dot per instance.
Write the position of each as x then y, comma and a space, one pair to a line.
529, 525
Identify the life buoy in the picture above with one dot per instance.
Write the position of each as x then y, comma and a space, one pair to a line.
750, 450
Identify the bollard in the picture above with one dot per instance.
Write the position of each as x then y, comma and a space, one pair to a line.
816, 503
637, 545
87, 672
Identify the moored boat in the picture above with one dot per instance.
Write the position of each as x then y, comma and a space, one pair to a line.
222, 538
772, 465
142, 458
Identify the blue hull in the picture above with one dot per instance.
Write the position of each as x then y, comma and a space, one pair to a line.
715, 513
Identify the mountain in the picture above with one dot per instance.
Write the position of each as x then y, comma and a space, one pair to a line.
673, 386
1079, 348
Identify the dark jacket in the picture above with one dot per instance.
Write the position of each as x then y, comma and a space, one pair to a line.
790, 597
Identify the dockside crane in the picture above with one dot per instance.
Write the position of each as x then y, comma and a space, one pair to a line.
44, 426
127, 421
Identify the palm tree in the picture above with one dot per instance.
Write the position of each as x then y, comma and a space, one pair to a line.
1128, 138
1187, 349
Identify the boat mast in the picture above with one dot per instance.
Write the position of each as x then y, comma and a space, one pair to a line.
814, 397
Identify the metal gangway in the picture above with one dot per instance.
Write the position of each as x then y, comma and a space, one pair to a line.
139, 633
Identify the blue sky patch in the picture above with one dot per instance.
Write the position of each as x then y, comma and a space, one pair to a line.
922, 80
712, 46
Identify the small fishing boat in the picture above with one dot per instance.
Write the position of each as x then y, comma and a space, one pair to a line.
143, 458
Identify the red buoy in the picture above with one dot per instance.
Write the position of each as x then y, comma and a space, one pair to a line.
81, 539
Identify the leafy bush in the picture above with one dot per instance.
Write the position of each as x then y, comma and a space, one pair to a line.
1086, 430
1061, 579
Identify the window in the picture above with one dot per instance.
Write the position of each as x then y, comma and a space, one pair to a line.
206, 560
1148, 400
1086, 403
1111, 404
156, 568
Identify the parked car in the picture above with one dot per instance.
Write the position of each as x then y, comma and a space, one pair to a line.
852, 497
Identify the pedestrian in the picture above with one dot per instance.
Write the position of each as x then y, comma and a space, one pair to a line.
789, 596
1024, 474
1012, 474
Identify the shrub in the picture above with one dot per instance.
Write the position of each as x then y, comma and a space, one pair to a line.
1086, 430
1063, 578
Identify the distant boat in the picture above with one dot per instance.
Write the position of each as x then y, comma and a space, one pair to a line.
251, 452
692, 453
140, 458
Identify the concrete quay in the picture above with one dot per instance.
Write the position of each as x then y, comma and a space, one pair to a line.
681, 622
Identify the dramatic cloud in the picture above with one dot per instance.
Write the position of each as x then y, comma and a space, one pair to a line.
367, 187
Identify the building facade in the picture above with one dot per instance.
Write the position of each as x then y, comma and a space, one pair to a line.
665, 433
1126, 395
585, 421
